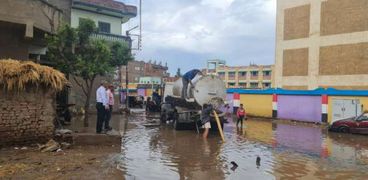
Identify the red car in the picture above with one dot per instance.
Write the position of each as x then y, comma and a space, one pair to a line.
357, 125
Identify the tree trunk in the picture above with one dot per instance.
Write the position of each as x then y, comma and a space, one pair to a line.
88, 98
86, 109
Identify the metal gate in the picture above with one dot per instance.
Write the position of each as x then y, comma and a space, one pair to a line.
345, 108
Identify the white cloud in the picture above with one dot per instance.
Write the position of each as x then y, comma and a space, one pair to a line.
221, 4
239, 31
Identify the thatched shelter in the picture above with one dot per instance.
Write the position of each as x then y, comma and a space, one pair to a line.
27, 101
18, 75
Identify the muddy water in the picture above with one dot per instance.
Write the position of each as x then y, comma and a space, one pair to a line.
286, 151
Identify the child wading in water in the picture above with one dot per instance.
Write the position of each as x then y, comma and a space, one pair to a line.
241, 115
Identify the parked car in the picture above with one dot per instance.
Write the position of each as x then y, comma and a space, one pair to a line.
356, 125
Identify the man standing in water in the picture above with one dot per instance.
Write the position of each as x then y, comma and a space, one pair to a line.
102, 105
187, 79
205, 118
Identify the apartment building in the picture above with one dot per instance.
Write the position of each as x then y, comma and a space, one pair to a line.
246, 77
109, 15
139, 69
322, 43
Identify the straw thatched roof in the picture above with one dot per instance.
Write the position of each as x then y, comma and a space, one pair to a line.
19, 75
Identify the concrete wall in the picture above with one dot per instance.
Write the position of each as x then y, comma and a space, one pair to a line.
338, 32
257, 105
302, 108
33, 13
12, 42
114, 21
26, 118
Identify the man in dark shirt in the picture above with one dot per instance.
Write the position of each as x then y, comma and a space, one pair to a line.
187, 79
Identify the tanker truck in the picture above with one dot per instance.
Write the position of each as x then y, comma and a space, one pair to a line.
185, 113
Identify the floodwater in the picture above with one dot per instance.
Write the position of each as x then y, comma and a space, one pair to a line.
285, 151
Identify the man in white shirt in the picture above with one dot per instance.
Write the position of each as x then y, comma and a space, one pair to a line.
102, 105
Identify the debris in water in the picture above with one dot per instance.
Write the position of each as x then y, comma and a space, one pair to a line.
258, 161
151, 125
234, 165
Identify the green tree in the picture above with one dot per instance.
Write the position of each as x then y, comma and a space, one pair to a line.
75, 53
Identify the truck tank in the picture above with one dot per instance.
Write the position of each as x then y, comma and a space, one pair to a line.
208, 89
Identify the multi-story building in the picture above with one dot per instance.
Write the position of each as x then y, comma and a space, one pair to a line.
24, 24
109, 15
246, 77
322, 43
156, 69
138, 69
135, 71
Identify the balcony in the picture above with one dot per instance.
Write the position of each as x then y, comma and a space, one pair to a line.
267, 77
232, 78
112, 38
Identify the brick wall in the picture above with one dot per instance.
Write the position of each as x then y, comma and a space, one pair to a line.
297, 22
344, 16
26, 118
347, 59
295, 62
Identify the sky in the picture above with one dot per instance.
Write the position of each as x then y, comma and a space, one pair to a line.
186, 33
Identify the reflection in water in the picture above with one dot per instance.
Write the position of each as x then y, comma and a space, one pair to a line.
262, 150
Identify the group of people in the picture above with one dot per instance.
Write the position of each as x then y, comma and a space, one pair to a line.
153, 105
104, 105
208, 109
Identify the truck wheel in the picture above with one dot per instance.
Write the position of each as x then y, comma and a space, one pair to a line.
177, 125
163, 118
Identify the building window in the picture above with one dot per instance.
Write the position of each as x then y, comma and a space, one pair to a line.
221, 73
254, 73
242, 73
104, 27
231, 74
137, 68
242, 85
253, 85
231, 84
266, 85
266, 73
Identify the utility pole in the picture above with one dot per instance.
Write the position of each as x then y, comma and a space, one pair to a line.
138, 48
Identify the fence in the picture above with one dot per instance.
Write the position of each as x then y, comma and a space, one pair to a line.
320, 105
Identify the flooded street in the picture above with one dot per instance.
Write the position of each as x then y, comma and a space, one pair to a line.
286, 151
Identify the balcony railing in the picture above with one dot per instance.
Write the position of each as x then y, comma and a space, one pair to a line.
267, 77
112, 38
